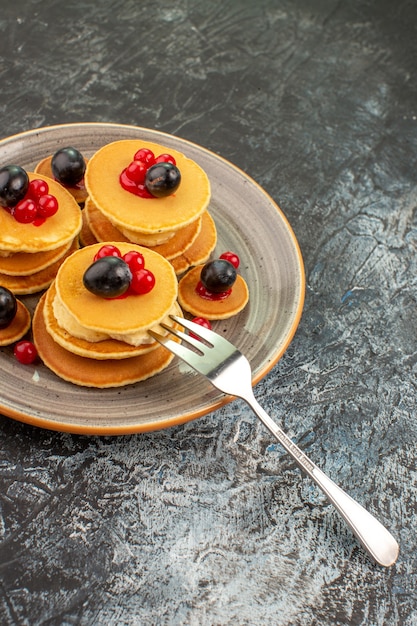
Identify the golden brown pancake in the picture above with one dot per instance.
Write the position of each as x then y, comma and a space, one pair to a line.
17, 328
104, 230
92, 372
101, 227
128, 211
178, 244
55, 232
181, 241
78, 192
27, 263
148, 239
25, 285
200, 250
211, 309
118, 315
105, 349
86, 236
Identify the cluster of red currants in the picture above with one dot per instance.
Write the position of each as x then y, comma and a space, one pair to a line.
37, 205
113, 275
28, 201
150, 176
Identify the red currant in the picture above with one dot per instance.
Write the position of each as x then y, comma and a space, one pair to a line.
166, 158
131, 187
37, 188
143, 281
201, 321
107, 250
47, 205
25, 211
146, 156
25, 352
135, 260
231, 257
136, 172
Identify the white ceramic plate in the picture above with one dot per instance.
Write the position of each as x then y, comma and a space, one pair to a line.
248, 222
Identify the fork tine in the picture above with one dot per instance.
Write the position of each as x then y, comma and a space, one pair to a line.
204, 333
197, 329
196, 343
187, 355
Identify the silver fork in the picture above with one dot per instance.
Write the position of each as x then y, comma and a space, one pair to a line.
230, 372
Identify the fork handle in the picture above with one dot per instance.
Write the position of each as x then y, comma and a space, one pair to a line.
372, 535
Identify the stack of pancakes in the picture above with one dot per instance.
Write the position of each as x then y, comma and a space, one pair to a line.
94, 341
30, 254
99, 342
177, 226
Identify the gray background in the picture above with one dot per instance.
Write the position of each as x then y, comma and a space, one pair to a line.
211, 523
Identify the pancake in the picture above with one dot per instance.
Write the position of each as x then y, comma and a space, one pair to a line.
148, 239
25, 285
181, 241
105, 349
178, 244
92, 372
17, 328
105, 230
27, 263
86, 236
116, 316
100, 226
55, 232
199, 252
191, 302
128, 211
79, 192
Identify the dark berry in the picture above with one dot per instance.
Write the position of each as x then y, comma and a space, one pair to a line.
25, 352
218, 276
108, 277
8, 307
14, 183
68, 166
162, 179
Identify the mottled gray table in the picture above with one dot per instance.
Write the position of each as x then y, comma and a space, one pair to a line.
211, 523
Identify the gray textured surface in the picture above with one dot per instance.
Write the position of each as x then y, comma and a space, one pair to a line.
210, 523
